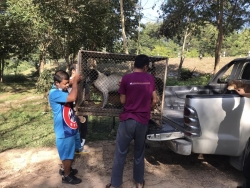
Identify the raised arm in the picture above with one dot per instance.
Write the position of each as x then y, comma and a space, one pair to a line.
73, 93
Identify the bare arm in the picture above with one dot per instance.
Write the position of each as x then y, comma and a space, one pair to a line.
122, 98
241, 91
154, 99
70, 82
73, 93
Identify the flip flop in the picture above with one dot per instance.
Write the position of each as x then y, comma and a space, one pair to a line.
108, 185
143, 183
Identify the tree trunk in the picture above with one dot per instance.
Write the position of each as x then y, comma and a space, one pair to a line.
41, 63
125, 44
139, 26
42, 59
1, 69
220, 37
218, 51
182, 58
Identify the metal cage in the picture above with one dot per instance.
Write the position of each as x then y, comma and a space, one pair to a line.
102, 73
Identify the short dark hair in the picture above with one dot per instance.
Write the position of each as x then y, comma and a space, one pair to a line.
61, 75
72, 67
141, 61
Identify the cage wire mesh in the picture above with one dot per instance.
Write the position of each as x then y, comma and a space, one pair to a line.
98, 91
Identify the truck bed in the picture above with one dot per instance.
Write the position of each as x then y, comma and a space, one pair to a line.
174, 115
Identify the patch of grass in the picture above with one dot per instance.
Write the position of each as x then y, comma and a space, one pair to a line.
25, 125
101, 128
28, 126
19, 78
201, 80
10, 85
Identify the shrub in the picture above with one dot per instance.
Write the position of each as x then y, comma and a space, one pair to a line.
201, 80
44, 81
18, 78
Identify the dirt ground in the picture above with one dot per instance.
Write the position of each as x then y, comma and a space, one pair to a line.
38, 168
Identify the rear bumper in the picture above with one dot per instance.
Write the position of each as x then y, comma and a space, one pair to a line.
172, 137
165, 136
180, 146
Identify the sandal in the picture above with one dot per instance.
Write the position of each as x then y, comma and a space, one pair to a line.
108, 185
143, 183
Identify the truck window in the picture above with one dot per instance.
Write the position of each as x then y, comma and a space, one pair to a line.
245, 74
227, 75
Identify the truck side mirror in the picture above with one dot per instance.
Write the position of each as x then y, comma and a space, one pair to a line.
222, 80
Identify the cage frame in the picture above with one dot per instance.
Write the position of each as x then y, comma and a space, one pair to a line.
111, 112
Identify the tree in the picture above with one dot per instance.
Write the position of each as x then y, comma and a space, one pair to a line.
125, 46
90, 25
237, 43
152, 43
226, 15
180, 22
16, 34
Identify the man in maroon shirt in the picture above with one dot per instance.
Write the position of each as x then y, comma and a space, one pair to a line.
137, 93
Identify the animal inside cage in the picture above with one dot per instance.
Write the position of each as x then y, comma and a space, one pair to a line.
98, 91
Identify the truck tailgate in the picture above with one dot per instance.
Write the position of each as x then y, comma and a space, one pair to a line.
163, 132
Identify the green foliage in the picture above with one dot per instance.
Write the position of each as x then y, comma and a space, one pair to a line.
184, 19
15, 66
237, 43
186, 74
151, 43
192, 53
44, 81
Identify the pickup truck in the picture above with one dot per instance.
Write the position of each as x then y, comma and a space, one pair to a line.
208, 119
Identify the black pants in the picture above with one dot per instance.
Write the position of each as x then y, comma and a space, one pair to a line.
83, 128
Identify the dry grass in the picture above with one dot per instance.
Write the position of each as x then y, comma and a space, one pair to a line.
205, 65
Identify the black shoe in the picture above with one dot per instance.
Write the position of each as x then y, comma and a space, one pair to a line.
72, 171
70, 179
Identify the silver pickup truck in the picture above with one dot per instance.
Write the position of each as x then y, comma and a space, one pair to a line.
208, 119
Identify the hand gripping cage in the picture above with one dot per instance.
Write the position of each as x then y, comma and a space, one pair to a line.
102, 72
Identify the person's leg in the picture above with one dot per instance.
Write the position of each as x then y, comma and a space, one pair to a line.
78, 146
66, 150
246, 171
125, 134
139, 149
67, 166
84, 130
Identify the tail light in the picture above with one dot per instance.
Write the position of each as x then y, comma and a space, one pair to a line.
191, 122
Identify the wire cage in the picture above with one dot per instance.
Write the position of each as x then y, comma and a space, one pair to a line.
98, 91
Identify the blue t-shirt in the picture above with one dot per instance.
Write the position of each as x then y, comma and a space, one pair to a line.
64, 117
138, 88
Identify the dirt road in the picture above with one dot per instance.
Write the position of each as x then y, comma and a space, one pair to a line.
38, 168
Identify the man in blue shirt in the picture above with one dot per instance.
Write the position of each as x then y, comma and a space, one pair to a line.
65, 125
